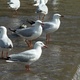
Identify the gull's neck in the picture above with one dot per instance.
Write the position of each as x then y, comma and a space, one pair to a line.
38, 48
3, 34
56, 20
42, 2
38, 27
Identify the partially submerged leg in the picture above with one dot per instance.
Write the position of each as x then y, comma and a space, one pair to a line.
2, 55
29, 43
39, 16
43, 17
47, 38
27, 67
14, 13
6, 54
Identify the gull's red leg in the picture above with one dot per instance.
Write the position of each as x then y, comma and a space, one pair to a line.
43, 17
31, 45
27, 67
2, 55
27, 42
6, 54
47, 38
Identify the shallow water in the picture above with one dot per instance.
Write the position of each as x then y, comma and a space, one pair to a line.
61, 59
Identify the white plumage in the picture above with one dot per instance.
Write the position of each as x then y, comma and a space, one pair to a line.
52, 26
28, 56
30, 33
5, 42
14, 4
42, 9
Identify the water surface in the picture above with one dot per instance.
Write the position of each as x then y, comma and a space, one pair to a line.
61, 59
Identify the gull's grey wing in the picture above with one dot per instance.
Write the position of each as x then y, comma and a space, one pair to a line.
26, 32
47, 25
21, 57
4, 44
31, 22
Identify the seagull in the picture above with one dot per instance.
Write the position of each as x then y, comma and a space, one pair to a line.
14, 4
5, 42
42, 9
51, 26
37, 2
28, 56
30, 33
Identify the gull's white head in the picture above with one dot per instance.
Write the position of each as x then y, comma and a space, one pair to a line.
3, 31
38, 22
57, 15
40, 44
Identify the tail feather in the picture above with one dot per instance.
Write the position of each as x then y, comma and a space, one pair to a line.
12, 30
5, 58
9, 61
31, 22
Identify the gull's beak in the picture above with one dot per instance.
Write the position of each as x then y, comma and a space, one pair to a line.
62, 16
42, 24
45, 46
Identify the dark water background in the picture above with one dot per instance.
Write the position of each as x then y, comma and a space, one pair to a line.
61, 59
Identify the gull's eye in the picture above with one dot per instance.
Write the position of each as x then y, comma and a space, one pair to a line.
41, 43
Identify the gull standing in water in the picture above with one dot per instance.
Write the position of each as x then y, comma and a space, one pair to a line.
14, 4
30, 33
51, 26
28, 56
42, 9
5, 42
